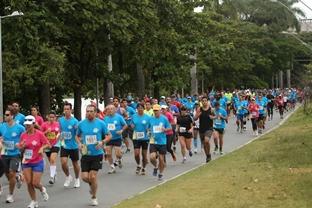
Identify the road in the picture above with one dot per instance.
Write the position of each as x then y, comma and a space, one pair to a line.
125, 183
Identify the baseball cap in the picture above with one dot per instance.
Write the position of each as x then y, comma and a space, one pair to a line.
156, 107
162, 97
29, 120
163, 106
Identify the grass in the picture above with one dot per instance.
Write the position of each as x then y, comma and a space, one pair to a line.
273, 171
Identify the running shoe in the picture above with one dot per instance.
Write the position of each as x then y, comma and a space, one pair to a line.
215, 150
190, 153
155, 171
195, 150
94, 202
9, 199
68, 180
52, 180
44, 194
119, 163
184, 160
208, 158
221, 152
160, 177
77, 183
174, 148
33, 204
143, 171
237, 129
112, 170
138, 169
115, 164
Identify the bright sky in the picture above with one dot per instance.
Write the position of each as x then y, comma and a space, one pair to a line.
305, 9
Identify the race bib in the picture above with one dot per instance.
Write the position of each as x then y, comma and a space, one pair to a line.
140, 135
254, 114
111, 127
91, 139
9, 145
261, 108
28, 154
182, 129
66, 135
218, 121
157, 129
51, 135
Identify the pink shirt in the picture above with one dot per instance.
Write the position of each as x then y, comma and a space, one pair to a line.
39, 121
33, 143
54, 130
171, 121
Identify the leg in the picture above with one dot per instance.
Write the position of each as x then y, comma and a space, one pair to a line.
28, 175
93, 183
76, 168
108, 150
153, 159
64, 165
137, 156
183, 145
161, 165
11, 176
53, 164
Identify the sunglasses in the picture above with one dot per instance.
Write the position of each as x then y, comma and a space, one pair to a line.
7, 114
29, 120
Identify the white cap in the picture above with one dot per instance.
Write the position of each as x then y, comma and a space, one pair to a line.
29, 120
163, 106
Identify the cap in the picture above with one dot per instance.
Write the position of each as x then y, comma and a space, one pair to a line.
189, 97
163, 106
253, 99
29, 120
129, 98
162, 97
156, 107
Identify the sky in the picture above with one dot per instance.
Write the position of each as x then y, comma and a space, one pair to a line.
306, 10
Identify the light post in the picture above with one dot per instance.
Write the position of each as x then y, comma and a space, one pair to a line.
14, 14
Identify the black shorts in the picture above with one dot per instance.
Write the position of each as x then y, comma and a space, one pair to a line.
220, 131
116, 143
89, 163
261, 117
1, 168
52, 150
11, 163
127, 133
73, 154
186, 135
137, 144
160, 148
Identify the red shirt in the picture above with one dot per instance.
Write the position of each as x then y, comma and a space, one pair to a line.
33, 143
39, 121
54, 130
254, 110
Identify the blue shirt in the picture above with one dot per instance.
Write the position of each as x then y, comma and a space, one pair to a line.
141, 124
19, 119
130, 112
68, 128
115, 123
156, 125
11, 136
219, 123
262, 105
91, 132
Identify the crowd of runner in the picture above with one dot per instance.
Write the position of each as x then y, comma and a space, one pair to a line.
155, 127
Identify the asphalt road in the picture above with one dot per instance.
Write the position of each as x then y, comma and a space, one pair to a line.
125, 183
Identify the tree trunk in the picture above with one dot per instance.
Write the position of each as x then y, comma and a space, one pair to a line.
77, 102
141, 80
44, 99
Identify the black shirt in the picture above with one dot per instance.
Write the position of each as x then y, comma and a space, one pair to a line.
184, 122
205, 122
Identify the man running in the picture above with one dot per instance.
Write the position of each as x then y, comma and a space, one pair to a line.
10, 133
116, 125
140, 122
205, 116
18, 117
69, 147
90, 134
158, 125
220, 117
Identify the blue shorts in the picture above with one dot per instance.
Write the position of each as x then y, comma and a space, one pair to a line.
35, 167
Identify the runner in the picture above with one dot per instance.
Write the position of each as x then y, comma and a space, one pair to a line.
253, 109
148, 108
34, 111
1, 169
90, 134
219, 121
262, 113
196, 128
116, 125
279, 102
205, 116
51, 130
10, 133
127, 134
270, 105
169, 133
69, 147
18, 117
185, 130
33, 143
159, 125
140, 122
241, 113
